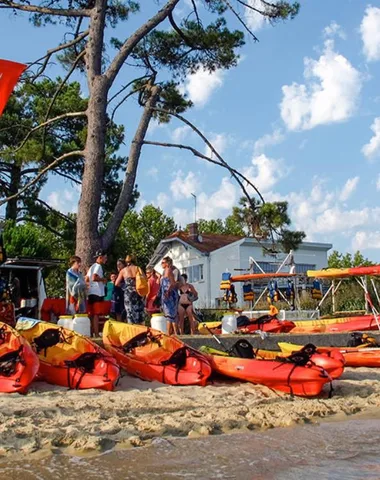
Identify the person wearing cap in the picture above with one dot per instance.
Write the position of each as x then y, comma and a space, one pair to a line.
96, 287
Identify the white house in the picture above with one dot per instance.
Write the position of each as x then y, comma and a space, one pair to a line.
205, 257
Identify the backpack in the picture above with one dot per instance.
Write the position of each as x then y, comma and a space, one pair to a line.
242, 349
142, 287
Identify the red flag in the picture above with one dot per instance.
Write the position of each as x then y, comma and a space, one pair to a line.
9, 74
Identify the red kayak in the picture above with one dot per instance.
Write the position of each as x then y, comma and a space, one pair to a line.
68, 358
18, 363
301, 380
332, 361
151, 355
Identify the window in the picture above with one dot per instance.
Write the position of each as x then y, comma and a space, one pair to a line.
194, 273
272, 267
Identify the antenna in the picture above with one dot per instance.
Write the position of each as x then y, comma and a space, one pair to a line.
195, 207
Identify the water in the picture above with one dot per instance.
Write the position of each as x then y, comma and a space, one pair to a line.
337, 450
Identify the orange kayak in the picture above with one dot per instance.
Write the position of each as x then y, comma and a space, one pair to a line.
18, 363
304, 381
332, 361
68, 358
354, 356
151, 355
347, 324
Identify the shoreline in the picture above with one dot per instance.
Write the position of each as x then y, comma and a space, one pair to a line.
53, 420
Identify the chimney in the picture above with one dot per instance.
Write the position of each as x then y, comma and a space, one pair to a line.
193, 232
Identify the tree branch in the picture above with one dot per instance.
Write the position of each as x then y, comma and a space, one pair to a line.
126, 86
62, 12
56, 162
69, 177
50, 52
124, 99
33, 220
42, 125
82, 54
237, 15
235, 174
130, 173
135, 38
56, 212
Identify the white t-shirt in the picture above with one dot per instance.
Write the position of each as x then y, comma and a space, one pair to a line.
96, 288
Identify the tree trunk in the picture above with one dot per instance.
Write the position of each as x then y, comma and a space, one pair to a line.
14, 185
87, 238
131, 171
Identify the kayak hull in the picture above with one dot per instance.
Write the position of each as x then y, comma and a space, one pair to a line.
304, 381
60, 364
25, 367
353, 356
331, 325
333, 362
150, 361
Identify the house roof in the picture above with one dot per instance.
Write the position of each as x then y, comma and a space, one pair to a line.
209, 243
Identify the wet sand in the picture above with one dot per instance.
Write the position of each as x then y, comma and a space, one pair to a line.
51, 419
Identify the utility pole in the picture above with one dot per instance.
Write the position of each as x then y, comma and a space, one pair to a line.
195, 207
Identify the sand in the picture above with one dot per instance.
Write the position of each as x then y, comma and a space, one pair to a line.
51, 419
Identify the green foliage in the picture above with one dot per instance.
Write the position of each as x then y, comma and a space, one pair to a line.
340, 260
140, 233
261, 221
229, 226
27, 241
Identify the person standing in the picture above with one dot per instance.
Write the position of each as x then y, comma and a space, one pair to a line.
133, 303
96, 290
154, 288
117, 306
169, 296
75, 288
188, 295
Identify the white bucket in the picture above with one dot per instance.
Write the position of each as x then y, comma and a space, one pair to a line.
66, 321
158, 322
229, 323
82, 324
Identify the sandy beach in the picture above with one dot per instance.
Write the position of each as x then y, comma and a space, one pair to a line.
53, 419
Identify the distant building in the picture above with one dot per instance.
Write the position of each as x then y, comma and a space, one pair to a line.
204, 257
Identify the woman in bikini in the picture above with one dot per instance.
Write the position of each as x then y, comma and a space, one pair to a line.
188, 295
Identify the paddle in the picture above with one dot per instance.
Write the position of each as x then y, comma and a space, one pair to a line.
216, 338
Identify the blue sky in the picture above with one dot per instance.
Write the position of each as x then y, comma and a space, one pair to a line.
299, 115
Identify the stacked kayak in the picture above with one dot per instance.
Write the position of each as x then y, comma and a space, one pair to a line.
151, 355
331, 325
68, 358
270, 326
363, 356
18, 363
297, 376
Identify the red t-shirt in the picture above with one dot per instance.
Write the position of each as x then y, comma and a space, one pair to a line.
154, 287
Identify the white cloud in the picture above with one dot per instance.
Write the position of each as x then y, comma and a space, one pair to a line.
364, 240
378, 183
330, 93
162, 200
184, 185
370, 30
265, 172
372, 149
218, 141
255, 21
220, 203
152, 172
65, 201
268, 140
334, 29
200, 85
348, 188
180, 133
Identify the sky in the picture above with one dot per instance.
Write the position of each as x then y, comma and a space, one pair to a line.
299, 116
